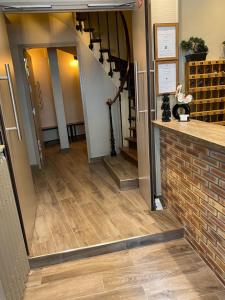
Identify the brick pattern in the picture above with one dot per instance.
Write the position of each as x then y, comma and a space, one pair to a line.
193, 186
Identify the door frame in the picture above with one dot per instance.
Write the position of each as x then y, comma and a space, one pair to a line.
76, 44
151, 97
12, 177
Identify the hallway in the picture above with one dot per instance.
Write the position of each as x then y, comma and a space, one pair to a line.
80, 205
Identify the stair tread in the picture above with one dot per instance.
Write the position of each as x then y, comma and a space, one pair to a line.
81, 18
131, 139
132, 119
121, 168
96, 40
88, 29
130, 152
104, 50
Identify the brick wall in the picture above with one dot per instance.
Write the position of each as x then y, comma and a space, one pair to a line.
193, 186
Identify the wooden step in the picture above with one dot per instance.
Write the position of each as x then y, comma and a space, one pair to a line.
122, 171
81, 19
131, 140
104, 50
130, 154
88, 29
132, 119
95, 41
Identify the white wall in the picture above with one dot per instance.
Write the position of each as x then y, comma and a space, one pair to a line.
70, 81
165, 11
58, 29
205, 19
97, 87
43, 80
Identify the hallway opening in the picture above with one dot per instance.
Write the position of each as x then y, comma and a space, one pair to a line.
88, 134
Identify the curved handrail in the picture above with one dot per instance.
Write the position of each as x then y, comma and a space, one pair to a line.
110, 102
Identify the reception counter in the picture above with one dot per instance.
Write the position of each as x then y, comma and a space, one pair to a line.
192, 157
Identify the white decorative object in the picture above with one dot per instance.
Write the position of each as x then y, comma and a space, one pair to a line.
181, 98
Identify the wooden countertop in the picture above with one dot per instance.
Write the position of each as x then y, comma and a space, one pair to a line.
201, 132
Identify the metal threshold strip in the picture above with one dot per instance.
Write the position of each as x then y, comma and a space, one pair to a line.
5, 7
101, 249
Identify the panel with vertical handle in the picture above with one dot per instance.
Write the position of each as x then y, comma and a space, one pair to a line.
13, 258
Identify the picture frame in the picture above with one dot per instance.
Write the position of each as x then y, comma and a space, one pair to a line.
166, 41
167, 74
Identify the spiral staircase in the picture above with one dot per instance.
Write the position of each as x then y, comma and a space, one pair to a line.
109, 38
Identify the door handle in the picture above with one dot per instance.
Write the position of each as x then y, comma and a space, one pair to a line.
136, 89
12, 96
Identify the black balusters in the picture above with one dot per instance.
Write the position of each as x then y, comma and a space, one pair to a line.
91, 46
109, 45
117, 35
101, 59
112, 137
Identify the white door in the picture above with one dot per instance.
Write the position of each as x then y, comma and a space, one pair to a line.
15, 136
142, 103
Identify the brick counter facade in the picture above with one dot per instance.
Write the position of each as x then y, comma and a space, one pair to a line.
193, 187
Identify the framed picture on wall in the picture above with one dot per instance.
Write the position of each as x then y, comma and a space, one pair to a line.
166, 77
166, 41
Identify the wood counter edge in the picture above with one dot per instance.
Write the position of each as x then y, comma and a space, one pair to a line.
216, 145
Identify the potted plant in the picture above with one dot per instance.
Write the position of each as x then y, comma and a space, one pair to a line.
196, 49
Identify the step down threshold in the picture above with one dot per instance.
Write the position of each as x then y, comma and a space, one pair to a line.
122, 171
81, 253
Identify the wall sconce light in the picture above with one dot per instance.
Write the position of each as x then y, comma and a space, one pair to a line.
74, 62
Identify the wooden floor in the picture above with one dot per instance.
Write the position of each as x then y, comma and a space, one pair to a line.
80, 205
163, 271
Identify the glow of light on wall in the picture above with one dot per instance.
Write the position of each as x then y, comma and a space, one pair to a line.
74, 63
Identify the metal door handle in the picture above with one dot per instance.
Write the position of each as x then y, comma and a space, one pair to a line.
136, 89
9, 79
143, 111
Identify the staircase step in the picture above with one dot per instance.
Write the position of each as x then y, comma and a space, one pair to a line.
104, 50
132, 119
130, 154
96, 41
131, 140
133, 128
81, 18
122, 171
90, 29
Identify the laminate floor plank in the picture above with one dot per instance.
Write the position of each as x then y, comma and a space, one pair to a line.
161, 271
80, 205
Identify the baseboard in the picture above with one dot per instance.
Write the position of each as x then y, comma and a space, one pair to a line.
81, 253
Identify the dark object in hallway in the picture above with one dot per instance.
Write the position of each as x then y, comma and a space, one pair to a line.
166, 114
